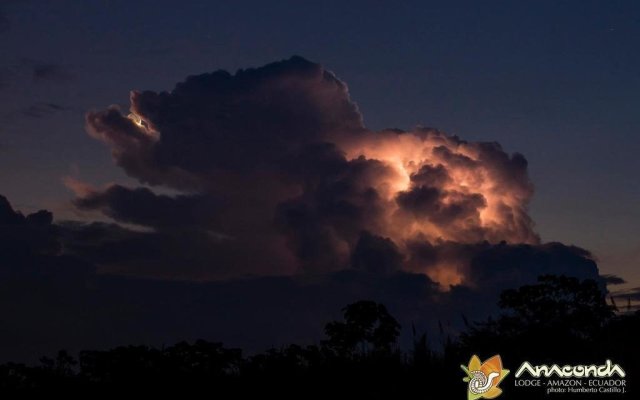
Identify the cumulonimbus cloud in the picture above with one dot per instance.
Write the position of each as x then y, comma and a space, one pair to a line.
276, 162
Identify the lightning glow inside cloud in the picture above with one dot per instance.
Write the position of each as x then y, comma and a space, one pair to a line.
278, 162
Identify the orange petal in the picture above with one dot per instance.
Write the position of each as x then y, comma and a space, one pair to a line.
494, 364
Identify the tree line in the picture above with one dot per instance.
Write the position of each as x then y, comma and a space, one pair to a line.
557, 320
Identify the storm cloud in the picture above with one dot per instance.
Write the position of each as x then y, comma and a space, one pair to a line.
277, 161
264, 206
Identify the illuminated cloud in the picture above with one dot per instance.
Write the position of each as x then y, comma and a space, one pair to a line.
277, 173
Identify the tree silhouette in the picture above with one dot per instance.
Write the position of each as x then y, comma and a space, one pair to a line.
63, 365
558, 316
368, 326
558, 302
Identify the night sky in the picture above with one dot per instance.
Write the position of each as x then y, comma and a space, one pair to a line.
556, 81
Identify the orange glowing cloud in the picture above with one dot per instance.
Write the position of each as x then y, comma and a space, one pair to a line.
280, 154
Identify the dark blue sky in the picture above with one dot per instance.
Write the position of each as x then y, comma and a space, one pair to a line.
557, 81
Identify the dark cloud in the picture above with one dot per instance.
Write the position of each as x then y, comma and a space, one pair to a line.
514, 265
220, 123
141, 206
30, 247
25, 236
247, 144
339, 200
486, 266
184, 253
376, 254
240, 142
154, 254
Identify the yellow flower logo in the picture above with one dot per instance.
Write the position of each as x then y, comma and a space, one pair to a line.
483, 378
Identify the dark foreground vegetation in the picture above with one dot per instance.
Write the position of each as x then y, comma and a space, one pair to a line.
559, 320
